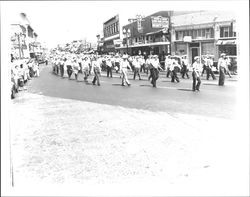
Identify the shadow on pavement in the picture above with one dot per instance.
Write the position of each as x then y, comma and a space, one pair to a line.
188, 90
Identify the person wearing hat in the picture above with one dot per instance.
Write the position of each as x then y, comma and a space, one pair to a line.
204, 63
137, 65
124, 69
62, 61
174, 69
109, 67
222, 65
85, 66
155, 70
168, 62
69, 67
196, 67
209, 66
96, 69
76, 68
184, 63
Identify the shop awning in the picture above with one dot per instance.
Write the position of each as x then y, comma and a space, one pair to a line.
226, 42
144, 45
155, 32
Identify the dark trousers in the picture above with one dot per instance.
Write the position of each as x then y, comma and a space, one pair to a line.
96, 77
143, 68
109, 71
222, 77
196, 78
174, 76
69, 71
56, 69
209, 71
203, 70
185, 71
137, 72
61, 70
155, 76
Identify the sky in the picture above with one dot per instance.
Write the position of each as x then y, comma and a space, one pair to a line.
58, 22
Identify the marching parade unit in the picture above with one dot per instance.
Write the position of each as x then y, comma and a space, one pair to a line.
93, 66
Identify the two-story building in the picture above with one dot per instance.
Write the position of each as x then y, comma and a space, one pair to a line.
149, 34
112, 34
202, 33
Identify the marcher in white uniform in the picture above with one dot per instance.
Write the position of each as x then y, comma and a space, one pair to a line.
123, 69
96, 69
137, 65
197, 69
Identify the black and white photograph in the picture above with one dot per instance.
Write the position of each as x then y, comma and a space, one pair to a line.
125, 98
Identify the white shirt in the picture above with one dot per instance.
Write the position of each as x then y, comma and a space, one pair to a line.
222, 63
124, 65
109, 63
197, 67
136, 63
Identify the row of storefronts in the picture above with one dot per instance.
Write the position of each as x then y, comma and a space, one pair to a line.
24, 43
171, 33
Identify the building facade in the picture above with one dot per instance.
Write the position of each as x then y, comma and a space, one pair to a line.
112, 34
150, 35
24, 42
202, 33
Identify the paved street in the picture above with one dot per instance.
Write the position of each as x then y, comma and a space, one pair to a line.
212, 100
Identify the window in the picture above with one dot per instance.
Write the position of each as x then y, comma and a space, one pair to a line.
208, 33
224, 32
203, 33
179, 35
194, 34
199, 32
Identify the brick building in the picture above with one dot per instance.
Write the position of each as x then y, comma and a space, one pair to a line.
149, 34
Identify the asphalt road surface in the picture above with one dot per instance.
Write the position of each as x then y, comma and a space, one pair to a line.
212, 100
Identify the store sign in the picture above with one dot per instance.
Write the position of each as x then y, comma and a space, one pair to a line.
117, 41
139, 25
160, 22
187, 39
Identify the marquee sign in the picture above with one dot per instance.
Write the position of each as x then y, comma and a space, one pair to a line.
160, 22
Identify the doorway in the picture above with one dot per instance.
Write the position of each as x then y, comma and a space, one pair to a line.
195, 52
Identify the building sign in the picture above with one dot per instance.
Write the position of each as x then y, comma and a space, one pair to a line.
187, 39
139, 26
160, 22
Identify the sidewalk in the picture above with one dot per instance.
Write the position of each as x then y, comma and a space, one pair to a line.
74, 142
